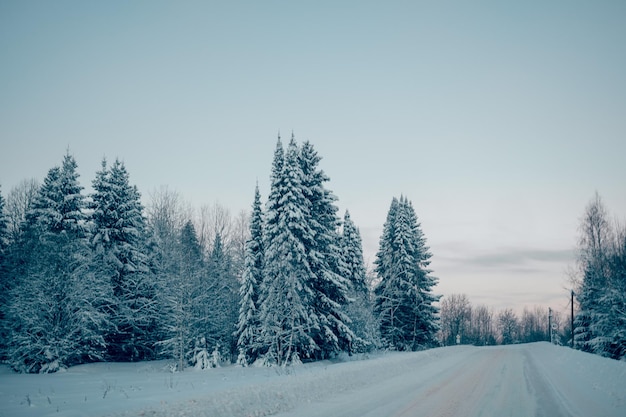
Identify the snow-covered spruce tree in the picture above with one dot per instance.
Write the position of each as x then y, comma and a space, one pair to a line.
600, 325
403, 297
360, 307
388, 296
324, 257
428, 323
248, 327
287, 323
352, 250
122, 258
58, 308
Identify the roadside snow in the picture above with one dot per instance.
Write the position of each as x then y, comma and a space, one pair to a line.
522, 380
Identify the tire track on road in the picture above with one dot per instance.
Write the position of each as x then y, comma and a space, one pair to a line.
458, 391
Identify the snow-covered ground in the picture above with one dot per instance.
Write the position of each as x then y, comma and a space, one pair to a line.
523, 380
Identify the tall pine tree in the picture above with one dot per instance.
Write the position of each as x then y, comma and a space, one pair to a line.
58, 308
360, 308
352, 250
248, 327
330, 288
287, 324
119, 242
403, 297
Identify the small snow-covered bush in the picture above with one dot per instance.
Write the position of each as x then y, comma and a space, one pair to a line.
295, 359
216, 358
201, 359
242, 359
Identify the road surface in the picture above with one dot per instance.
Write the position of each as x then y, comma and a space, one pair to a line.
522, 380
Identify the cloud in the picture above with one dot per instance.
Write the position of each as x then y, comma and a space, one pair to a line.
500, 276
512, 259
523, 256
510, 276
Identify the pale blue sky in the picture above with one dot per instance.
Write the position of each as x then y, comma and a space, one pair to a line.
499, 120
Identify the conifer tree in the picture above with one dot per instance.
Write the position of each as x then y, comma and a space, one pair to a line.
352, 250
271, 218
360, 308
248, 327
287, 322
428, 321
404, 298
324, 258
57, 309
119, 241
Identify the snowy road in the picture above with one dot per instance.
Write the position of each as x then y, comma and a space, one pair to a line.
482, 382
523, 380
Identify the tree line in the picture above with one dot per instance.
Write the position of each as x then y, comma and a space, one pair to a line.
480, 325
100, 277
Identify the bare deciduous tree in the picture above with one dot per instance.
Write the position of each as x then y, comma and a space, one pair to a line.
212, 221
508, 326
533, 325
241, 234
455, 318
167, 213
482, 326
18, 201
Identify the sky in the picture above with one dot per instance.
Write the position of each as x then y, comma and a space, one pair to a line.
498, 120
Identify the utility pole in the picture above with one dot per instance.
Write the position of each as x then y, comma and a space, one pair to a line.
572, 317
550, 322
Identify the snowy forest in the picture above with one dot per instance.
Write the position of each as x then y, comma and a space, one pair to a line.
100, 277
